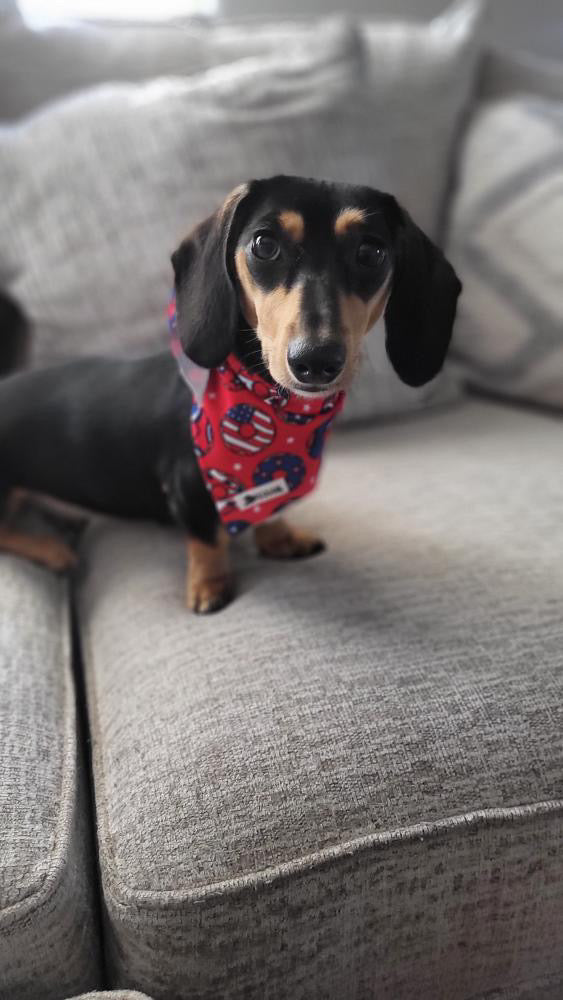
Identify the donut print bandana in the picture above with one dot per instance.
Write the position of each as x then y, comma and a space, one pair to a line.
258, 448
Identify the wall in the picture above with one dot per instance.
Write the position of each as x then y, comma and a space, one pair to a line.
532, 25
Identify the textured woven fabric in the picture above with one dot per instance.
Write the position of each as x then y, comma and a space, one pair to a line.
114, 995
48, 935
506, 237
38, 66
349, 783
130, 169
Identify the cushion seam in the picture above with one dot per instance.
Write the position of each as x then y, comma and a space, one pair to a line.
120, 894
131, 897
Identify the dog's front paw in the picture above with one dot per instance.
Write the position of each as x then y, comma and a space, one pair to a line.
206, 596
278, 540
210, 582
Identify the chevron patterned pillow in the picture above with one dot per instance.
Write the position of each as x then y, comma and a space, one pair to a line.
506, 238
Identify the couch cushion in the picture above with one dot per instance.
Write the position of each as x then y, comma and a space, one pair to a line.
49, 946
349, 783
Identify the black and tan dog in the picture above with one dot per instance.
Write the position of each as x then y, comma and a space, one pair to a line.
290, 274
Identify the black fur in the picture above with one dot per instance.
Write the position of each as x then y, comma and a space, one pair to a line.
110, 436
206, 299
14, 332
421, 310
113, 436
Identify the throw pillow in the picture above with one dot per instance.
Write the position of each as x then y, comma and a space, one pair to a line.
101, 187
506, 235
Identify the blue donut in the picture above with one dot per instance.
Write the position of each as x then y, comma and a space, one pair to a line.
292, 466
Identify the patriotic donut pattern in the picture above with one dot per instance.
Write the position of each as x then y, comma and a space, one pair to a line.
247, 429
288, 466
258, 447
202, 432
222, 487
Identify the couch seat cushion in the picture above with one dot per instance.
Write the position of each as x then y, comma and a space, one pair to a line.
349, 782
49, 945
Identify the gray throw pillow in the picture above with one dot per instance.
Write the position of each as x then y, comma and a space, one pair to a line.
101, 187
39, 66
506, 235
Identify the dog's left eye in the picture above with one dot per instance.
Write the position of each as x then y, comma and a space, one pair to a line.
265, 246
371, 253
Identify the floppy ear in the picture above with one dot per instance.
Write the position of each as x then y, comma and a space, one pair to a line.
207, 306
421, 309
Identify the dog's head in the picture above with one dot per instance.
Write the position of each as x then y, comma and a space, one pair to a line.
295, 272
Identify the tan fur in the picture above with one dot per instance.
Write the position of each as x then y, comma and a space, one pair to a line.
357, 319
276, 318
232, 200
274, 315
209, 578
293, 224
278, 540
248, 289
346, 218
49, 552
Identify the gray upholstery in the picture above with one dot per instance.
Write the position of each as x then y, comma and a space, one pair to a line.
114, 995
508, 335
350, 782
49, 940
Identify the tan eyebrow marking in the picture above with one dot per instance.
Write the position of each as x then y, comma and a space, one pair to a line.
348, 217
294, 225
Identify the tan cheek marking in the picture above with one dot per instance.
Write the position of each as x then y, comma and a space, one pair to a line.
293, 224
248, 288
354, 314
377, 307
274, 315
278, 311
278, 321
358, 316
346, 218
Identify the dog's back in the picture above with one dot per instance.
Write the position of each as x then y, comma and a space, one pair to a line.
88, 432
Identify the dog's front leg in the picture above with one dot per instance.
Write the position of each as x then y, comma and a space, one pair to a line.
278, 540
210, 584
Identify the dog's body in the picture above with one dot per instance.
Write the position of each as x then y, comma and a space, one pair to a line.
289, 275
111, 436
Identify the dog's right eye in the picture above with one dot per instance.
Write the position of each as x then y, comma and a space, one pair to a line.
265, 247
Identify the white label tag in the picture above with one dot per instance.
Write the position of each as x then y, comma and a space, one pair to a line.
258, 494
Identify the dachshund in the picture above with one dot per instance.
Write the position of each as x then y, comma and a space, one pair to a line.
287, 277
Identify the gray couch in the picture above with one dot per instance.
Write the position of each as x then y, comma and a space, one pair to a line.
346, 785
356, 793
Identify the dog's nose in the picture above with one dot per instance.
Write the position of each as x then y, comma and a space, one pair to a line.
316, 365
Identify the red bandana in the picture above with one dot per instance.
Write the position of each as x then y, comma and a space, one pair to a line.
258, 449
